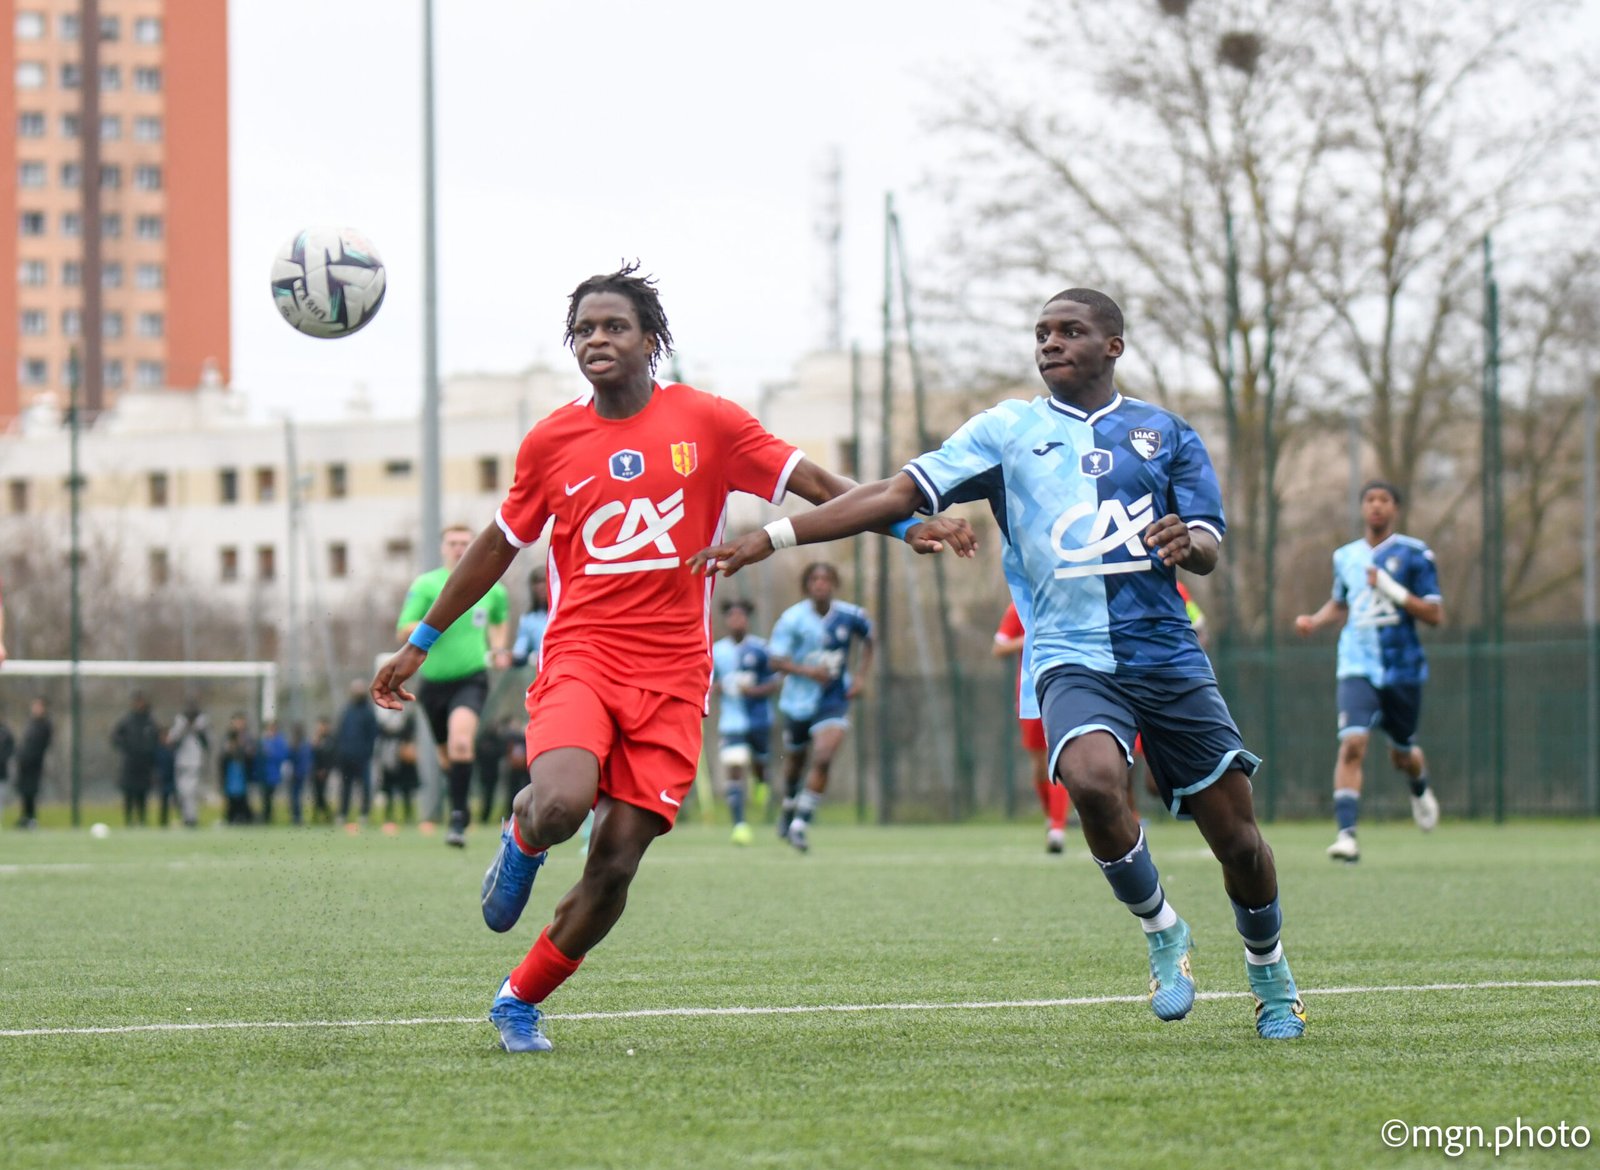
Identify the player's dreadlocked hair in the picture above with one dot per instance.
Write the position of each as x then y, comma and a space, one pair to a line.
641, 290
1106, 311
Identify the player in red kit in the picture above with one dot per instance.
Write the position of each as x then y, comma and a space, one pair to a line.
1011, 638
629, 480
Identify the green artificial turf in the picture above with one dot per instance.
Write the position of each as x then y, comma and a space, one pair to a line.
296, 926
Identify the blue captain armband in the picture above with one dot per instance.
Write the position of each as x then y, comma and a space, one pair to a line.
899, 529
424, 636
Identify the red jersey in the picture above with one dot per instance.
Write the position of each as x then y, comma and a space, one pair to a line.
627, 502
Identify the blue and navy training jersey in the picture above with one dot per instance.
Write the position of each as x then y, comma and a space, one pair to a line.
1379, 641
735, 665
1073, 494
808, 638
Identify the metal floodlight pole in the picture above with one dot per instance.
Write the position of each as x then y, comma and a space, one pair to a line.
885, 673
89, 318
1493, 531
858, 559
296, 672
75, 617
431, 521
1591, 519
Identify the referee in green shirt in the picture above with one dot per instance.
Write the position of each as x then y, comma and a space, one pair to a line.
455, 675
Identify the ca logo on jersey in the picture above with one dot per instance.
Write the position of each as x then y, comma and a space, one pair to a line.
644, 523
627, 465
1114, 524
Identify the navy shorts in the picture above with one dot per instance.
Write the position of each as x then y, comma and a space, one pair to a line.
757, 739
1190, 739
797, 732
1396, 709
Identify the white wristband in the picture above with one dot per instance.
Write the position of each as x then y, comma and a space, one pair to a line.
1391, 588
781, 533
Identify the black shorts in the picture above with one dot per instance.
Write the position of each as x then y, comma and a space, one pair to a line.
1395, 708
438, 699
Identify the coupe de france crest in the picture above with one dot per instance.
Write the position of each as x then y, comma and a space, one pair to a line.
627, 465
1095, 463
684, 458
1145, 441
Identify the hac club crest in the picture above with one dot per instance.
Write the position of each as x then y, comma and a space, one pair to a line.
627, 465
1095, 463
1145, 441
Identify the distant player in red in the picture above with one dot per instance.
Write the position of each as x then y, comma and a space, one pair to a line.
1008, 640
629, 481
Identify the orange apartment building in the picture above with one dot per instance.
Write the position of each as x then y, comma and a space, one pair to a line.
163, 71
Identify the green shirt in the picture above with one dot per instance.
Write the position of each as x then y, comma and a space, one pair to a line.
463, 648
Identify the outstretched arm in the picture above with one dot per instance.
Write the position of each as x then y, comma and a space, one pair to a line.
1332, 611
486, 560
818, 485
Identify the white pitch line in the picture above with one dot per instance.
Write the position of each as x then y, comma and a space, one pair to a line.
792, 1010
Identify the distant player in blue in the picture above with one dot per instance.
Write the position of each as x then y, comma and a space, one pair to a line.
1099, 499
811, 644
530, 629
1383, 585
743, 673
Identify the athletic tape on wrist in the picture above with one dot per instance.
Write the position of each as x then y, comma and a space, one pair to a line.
781, 533
424, 636
899, 529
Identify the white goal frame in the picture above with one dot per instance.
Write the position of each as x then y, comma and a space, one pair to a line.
265, 673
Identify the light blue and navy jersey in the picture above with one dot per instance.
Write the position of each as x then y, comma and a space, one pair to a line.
530, 636
1073, 494
1379, 641
734, 665
808, 638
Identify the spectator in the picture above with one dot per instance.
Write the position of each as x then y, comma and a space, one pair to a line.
136, 739
190, 740
272, 761
396, 759
235, 766
322, 762
166, 776
8, 748
36, 738
301, 762
358, 735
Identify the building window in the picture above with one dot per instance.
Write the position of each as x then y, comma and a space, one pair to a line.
488, 474
151, 276
113, 373
32, 174
67, 26
266, 562
152, 375
397, 468
30, 75
33, 273
147, 30
17, 496
32, 223
111, 325
34, 371
148, 227
30, 26
71, 174
111, 275
266, 485
110, 128
160, 567
338, 560
71, 75
151, 325
30, 124
69, 125
147, 80
228, 485
400, 549
110, 28
111, 226
338, 481
110, 77
110, 177
147, 129
33, 323
71, 224
147, 178
71, 273
158, 489
228, 563
71, 322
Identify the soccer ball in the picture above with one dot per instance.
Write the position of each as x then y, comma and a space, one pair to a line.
99, 830
328, 282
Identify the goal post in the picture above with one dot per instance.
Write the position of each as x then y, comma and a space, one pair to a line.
266, 673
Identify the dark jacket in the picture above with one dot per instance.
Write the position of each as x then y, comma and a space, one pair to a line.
138, 739
35, 743
8, 748
358, 731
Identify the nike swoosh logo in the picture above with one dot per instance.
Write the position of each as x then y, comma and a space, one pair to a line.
1045, 450
572, 487
665, 799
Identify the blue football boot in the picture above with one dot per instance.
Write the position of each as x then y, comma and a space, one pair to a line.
1171, 983
518, 1023
1280, 1012
509, 881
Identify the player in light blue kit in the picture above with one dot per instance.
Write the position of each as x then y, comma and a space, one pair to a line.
742, 670
811, 644
1383, 585
1099, 499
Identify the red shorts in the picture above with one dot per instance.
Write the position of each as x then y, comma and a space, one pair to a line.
1033, 734
648, 744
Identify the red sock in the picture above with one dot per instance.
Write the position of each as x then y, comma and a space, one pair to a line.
516, 835
544, 970
1060, 803
1042, 788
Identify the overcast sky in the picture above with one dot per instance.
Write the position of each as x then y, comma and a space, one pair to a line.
690, 134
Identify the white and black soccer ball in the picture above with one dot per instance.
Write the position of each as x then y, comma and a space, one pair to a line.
328, 282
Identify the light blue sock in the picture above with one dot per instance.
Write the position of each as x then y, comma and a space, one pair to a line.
736, 802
